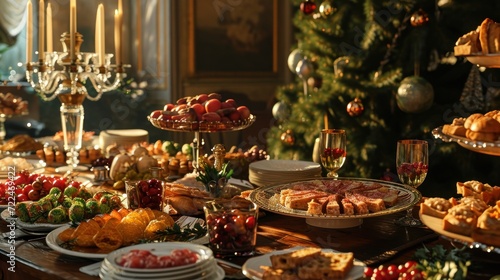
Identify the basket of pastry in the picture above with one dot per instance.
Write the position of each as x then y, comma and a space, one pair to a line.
472, 218
481, 46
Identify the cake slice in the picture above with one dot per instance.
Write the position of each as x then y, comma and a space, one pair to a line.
294, 259
278, 274
347, 207
333, 206
327, 266
360, 207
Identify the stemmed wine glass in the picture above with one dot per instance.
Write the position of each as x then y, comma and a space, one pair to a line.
412, 159
332, 143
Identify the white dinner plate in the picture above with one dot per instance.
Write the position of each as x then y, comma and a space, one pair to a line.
252, 267
287, 166
55, 243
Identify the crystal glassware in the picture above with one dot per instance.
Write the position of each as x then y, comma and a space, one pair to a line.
332, 143
412, 159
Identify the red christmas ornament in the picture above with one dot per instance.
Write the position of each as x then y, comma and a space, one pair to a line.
419, 18
355, 107
307, 7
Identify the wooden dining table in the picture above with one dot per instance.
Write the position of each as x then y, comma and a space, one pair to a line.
376, 241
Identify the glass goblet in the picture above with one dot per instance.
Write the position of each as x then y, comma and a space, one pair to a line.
412, 159
332, 143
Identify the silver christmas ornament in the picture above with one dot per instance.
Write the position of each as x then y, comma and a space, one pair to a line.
304, 68
293, 58
414, 95
281, 111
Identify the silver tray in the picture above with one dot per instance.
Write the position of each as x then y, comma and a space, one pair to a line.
489, 148
267, 198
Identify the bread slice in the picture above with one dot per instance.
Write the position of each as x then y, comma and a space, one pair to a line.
327, 266
294, 259
316, 206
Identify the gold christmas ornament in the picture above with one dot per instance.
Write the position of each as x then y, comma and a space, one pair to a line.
419, 18
355, 107
288, 138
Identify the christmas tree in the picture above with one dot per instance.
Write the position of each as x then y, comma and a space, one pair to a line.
350, 59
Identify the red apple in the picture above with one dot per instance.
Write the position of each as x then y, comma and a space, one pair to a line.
201, 98
244, 112
156, 114
198, 108
235, 116
212, 105
230, 103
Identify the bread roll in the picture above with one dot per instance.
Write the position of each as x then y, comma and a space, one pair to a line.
484, 129
485, 124
470, 119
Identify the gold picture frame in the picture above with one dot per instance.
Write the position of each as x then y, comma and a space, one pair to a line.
233, 38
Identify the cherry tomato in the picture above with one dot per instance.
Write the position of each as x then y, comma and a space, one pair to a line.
47, 185
34, 195
368, 272
59, 183
21, 197
27, 188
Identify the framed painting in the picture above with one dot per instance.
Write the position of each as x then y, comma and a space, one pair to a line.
233, 38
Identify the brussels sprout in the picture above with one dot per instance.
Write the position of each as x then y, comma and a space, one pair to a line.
46, 205
22, 211
91, 207
105, 199
104, 208
76, 213
55, 191
98, 195
80, 201
70, 191
57, 215
84, 193
67, 202
35, 211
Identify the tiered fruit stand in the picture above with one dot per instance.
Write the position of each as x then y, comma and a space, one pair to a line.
199, 127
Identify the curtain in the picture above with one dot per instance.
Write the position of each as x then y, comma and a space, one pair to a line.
12, 20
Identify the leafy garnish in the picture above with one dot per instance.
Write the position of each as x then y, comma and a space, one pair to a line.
439, 263
176, 233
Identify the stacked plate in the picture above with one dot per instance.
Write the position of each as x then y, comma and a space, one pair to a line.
205, 268
272, 172
122, 137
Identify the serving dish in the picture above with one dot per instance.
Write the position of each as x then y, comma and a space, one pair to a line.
56, 244
488, 60
202, 126
436, 224
489, 148
7, 216
267, 198
252, 267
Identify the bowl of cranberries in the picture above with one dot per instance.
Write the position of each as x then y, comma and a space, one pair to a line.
231, 226
145, 194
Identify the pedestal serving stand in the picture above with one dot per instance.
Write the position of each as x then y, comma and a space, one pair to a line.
199, 127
